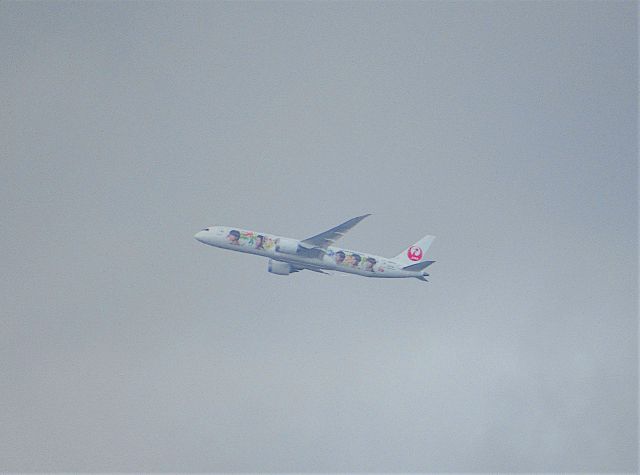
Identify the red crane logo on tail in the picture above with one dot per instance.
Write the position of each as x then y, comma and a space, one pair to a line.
414, 253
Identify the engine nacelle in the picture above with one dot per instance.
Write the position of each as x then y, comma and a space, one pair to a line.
287, 246
280, 268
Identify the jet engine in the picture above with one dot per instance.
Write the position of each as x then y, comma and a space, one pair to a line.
280, 268
287, 246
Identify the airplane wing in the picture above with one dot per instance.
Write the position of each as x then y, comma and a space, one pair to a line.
327, 238
299, 267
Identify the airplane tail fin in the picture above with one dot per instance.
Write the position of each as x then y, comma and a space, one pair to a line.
415, 256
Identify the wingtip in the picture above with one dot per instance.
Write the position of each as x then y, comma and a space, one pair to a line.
360, 218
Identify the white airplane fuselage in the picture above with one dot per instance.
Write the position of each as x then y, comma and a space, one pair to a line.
291, 251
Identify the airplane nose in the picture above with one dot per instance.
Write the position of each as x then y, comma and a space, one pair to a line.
199, 236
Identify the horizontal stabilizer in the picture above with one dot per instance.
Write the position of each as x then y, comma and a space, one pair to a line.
418, 266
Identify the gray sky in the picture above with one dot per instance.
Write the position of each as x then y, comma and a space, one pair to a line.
506, 129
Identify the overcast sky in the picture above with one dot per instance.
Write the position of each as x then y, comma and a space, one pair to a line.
507, 129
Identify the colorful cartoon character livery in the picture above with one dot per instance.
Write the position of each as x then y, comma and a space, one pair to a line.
317, 254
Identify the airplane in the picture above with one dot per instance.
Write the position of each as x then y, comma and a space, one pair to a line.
317, 254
